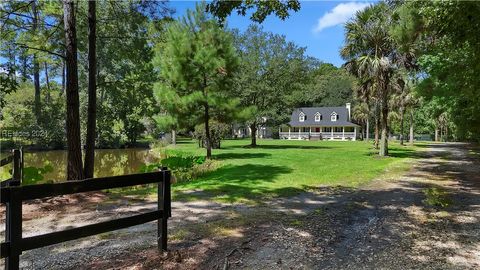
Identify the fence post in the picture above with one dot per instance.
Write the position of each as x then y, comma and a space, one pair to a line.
17, 168
21, 165
163, 190
168, 194
14, 229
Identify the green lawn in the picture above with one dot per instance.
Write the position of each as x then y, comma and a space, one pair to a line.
284, 168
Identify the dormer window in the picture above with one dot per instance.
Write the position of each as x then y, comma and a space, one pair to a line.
301, 117
334, 117
318, 117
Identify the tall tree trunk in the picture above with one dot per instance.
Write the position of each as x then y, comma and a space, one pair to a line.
377, 126
24, 59
36, 66
367, 131
208, 141
253, 135
402, 112
174, 137
384, 136
92, 92
36, 83
47, 80
74, 156
411, 127
446, 133
63, 75
11, 64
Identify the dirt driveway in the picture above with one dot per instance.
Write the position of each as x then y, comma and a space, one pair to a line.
385, 225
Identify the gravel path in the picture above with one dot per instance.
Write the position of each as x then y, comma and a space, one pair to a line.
385, 225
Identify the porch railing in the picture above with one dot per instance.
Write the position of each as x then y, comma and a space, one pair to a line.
326, 135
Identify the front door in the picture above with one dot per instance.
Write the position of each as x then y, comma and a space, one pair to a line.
317, 129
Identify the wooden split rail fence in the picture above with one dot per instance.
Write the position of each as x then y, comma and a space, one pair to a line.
16, 158
13, 196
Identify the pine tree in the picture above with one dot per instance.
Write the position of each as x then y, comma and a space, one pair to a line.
197, 63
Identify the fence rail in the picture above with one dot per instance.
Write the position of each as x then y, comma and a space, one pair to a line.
13, 196
16, 158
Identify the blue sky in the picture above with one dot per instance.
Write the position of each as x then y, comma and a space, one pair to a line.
318, 25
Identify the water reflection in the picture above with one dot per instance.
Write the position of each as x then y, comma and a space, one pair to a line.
108, 162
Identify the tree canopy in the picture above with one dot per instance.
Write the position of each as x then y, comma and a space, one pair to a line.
261, 9
197, 66
271, 69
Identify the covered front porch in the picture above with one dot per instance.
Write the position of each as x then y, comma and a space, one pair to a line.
342, 133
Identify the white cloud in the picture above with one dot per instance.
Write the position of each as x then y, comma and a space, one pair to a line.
338, 15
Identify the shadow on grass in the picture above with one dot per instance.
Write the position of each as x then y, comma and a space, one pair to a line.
185, 141
397, 152
240, 155
282, 146
236, 182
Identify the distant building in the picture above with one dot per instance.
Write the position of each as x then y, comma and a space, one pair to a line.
244, 130
320, 123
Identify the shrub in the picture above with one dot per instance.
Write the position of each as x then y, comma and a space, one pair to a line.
183, 167
218, 131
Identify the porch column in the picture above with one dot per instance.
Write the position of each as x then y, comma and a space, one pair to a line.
331, 133
354, 133
289, 133
299, 130
343, 133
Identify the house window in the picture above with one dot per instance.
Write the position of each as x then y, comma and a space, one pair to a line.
327, 129
318, 117
334, 117
301, 117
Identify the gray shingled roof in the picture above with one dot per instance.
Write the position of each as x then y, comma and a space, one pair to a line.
310, 112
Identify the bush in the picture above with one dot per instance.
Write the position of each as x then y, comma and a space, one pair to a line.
218, 131
183, 167
110, 130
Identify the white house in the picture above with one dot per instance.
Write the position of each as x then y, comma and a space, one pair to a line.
244, 130
320, 123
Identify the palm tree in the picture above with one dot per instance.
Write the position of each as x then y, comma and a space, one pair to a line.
361, 113
364, 93
402, 99
370, 54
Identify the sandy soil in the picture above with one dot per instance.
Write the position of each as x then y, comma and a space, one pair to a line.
385, 225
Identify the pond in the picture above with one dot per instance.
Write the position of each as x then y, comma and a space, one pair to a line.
108, 162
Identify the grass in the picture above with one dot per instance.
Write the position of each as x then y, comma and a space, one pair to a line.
285, 168
437, 197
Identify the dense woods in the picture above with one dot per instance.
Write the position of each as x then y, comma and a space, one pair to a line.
106, 74
415, 61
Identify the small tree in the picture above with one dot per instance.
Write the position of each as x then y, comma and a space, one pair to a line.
197, 64
218, 131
